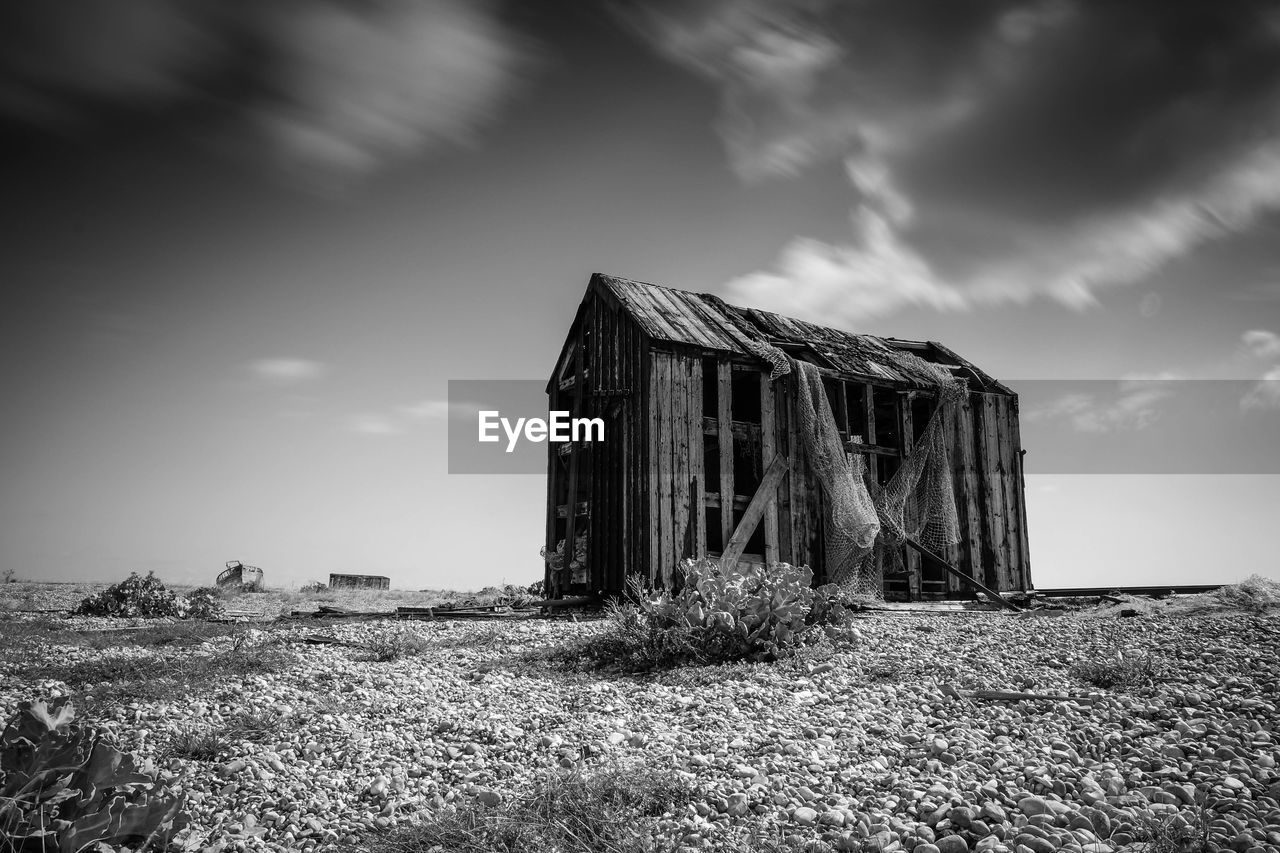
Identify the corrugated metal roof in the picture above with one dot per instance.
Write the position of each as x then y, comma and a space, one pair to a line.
708, 322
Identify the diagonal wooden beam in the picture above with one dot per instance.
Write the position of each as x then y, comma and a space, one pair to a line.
765, 493
953, 570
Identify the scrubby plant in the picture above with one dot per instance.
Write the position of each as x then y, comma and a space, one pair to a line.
197, 744
137, 596
537, 589
313, 587
1186, 831
64, 788
753, 612
1121, 670
613, 808
1255, 594
394, 645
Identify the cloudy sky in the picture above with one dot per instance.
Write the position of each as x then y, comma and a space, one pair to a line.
247, 245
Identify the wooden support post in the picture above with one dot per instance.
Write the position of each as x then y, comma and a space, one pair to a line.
755, 510
869, 415
907, 429
570, 531
768, 449
724, 376
953, 570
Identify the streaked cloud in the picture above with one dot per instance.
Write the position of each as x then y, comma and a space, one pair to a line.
286, 370
1135, 406
1047, 148
437, 409
1264, 396
374, 425
1261, 343
334, 90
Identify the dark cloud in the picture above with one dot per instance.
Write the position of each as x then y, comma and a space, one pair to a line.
1000, 149
334, 89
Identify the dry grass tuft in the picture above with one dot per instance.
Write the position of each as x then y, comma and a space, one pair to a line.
610, 810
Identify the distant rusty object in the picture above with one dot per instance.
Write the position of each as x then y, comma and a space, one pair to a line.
359, 582
237, 574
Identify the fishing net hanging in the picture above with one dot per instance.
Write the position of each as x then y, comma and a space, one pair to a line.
865, 531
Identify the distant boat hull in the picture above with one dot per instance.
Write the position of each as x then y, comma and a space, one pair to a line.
238, 574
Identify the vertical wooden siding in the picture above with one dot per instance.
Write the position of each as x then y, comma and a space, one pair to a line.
989, 500
675, 455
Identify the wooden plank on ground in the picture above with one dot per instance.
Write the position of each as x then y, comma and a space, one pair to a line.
760, 501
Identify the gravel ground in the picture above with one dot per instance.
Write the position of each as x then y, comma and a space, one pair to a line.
868, 745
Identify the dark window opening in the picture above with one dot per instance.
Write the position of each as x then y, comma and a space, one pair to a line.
834, 398
745, 401
747, 466
888, 466
715, 542
922, 409
711, 462
710, 388
888, 433
858, 414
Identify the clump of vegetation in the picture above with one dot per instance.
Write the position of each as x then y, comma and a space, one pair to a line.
253, 726
147, 597
161, 677
197, 744
396, 645
1122, 670
1254, 594
207, 744
64, 788
1184, 832
614, 808
752, 613
313, 587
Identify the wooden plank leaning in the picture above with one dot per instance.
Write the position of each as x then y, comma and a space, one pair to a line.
765, 492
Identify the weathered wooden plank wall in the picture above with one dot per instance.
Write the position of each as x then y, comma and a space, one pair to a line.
675, 465
643, 487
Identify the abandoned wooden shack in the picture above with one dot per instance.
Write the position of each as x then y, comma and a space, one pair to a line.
338, 581
694, 424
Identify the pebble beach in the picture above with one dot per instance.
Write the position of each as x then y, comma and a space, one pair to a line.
875, 742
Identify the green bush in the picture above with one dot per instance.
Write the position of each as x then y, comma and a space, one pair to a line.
63, 788
137, 596
754, 613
